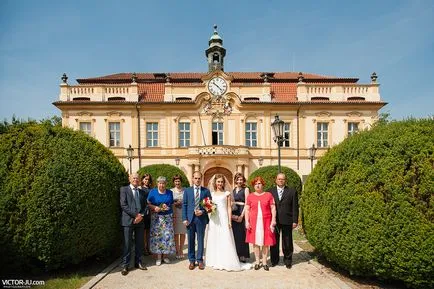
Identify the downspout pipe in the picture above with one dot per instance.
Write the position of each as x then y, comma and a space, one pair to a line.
138, 135
298, 138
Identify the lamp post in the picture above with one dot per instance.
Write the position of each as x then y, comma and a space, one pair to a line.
278, 126
312, 151
130, 157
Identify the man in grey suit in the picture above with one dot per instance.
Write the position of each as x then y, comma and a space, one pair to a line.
133, 205
286, 201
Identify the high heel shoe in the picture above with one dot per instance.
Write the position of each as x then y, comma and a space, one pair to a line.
258, 266
266, 268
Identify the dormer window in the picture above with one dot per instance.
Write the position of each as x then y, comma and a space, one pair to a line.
81, 99
116, 98
355, 98
183, 98
319, 98
251, 99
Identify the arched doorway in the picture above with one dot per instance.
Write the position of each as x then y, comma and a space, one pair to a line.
217, 170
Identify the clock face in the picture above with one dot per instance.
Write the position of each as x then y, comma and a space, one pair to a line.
217, 86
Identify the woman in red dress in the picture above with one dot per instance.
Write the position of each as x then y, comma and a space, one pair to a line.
260, 213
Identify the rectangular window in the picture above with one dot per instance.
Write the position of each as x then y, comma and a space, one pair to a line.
151, 134
184, 134
353, 127
217, 133
251, 134
86, 127
322, 134
115, 134
286, 135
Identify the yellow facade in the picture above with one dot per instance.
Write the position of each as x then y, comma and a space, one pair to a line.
156, 124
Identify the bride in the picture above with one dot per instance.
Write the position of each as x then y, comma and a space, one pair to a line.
221, 252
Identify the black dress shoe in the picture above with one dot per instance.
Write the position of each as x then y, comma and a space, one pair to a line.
141, 266
124, 271
273, 264
288, 266
266, 268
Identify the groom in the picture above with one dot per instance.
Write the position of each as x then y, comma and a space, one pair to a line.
195, 218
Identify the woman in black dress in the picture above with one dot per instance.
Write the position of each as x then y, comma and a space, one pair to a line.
239, 194
146, 187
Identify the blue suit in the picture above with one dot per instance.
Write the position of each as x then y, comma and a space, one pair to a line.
196, 225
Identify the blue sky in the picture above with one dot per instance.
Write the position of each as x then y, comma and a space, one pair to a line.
40, 40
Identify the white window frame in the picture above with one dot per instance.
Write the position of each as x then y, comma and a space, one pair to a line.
114, 134
352, 128
88, 129
322, 134
182, 132
249, 131
151, 134
218, 126
287, 135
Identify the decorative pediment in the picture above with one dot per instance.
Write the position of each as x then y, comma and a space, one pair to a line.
217, 73
354, 114
114, 114
323, 114
84, 114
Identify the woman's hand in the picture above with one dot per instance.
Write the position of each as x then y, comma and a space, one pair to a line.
157, 209
248, 225
272, 226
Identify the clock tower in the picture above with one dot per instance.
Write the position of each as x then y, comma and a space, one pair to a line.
215, 52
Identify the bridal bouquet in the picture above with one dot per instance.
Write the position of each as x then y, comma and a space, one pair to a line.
208, 205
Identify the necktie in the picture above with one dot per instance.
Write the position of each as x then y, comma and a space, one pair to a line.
137, 199
280, 192
196, 199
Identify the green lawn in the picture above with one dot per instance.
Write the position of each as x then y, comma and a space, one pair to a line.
74, 276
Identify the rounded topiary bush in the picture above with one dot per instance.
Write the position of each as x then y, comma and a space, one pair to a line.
368, 204
164, 170
59, 197
269, 174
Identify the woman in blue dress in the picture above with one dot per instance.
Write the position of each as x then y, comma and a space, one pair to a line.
162, 241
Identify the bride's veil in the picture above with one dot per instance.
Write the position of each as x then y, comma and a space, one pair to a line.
212, 183
227, 187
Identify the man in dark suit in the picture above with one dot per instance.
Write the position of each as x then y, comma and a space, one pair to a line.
133, 205
195, 218
286, 201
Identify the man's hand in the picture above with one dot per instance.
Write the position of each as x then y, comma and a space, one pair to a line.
138, 219
294, 225
198, 213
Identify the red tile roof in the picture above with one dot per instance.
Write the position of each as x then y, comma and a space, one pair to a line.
151, 85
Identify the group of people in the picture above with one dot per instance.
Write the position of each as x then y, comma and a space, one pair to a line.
159, 218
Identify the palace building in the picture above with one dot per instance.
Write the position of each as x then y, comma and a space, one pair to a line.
219, 121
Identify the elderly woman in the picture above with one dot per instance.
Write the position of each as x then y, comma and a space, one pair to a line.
160, 202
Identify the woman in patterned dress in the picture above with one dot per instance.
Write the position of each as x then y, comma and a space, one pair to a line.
239, 195
260, 221
162, 241
179, 227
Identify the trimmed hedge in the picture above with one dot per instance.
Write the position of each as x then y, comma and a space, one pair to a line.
269, 174
368, 203
59, 197
164, 170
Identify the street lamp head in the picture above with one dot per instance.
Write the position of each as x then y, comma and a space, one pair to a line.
177, 159
312, 152
130, 151
278, 126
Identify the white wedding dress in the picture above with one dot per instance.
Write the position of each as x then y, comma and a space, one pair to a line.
221, 253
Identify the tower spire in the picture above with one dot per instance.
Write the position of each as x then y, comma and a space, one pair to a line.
216, 52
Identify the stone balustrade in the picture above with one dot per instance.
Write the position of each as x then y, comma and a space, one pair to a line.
341, 92
101, 92
218, 150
